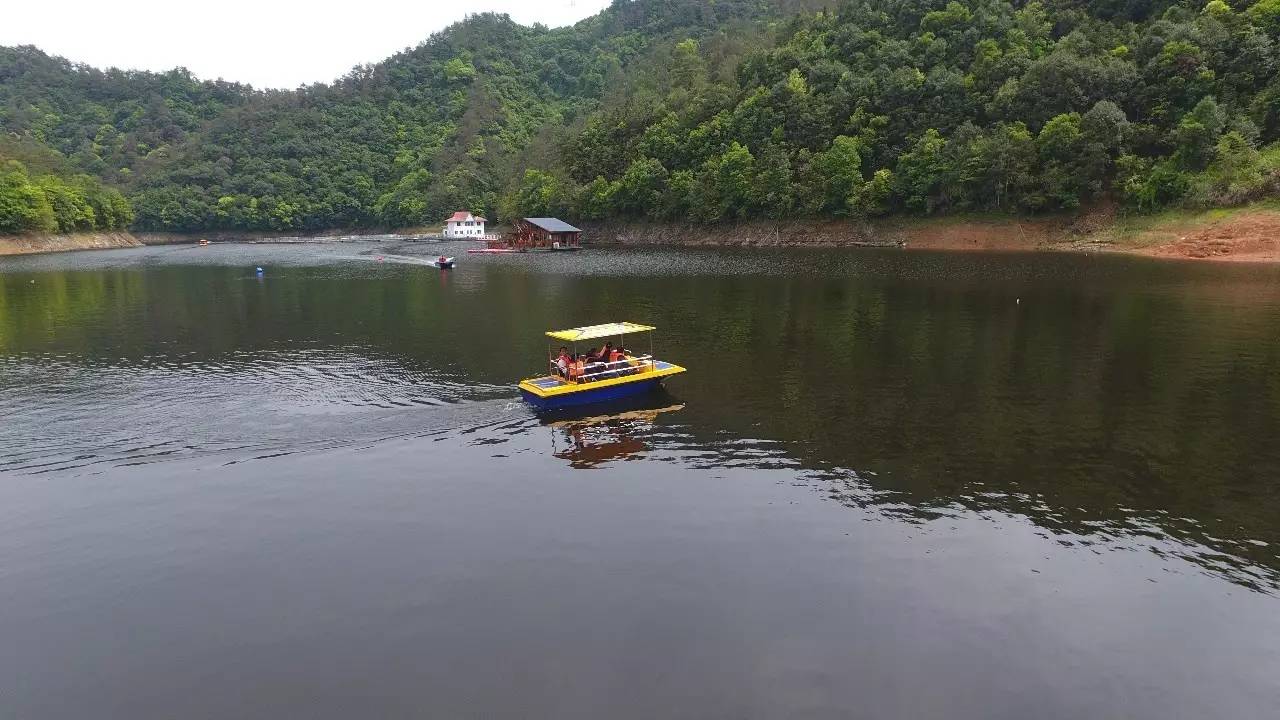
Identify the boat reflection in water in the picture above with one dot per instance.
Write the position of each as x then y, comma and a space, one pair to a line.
616, 431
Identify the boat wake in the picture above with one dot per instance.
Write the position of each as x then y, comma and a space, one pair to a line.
234, 409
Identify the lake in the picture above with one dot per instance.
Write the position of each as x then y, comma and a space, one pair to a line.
892, 484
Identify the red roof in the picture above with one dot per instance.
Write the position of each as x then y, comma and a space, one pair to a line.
459, 216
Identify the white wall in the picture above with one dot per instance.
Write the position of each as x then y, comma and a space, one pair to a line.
457, 230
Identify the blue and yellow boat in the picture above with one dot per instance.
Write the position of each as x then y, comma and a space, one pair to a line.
573, 380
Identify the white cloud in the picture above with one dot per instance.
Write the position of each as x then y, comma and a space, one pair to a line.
262, 42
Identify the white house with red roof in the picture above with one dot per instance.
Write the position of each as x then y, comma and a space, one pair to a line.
463, 224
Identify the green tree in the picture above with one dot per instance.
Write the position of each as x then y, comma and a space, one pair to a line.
110, 208
23, 205
71, 208
1104, 130
540, 194
724, 185
1237, 173
640, 187
1164, 184
596, 200
774, 191
681, 196
734, 179
954, 17
1266, 14
1060, 144
405, 203
874, 197
458, 70
922, 174
1197, 134
839, 170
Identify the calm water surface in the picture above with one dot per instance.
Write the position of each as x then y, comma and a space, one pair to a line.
892, 485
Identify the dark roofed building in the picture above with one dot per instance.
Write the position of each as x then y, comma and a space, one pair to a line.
555, 225
549, 233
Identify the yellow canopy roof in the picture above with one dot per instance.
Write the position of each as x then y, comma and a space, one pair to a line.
591, 332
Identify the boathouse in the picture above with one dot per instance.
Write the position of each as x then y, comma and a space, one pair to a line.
551, 233
463, 224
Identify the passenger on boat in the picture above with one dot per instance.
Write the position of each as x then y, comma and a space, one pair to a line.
607, 357
591, 364
563, 361
618, 360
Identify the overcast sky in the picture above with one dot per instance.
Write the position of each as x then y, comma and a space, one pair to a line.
266, 43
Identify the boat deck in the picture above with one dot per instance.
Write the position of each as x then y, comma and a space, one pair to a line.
551, 386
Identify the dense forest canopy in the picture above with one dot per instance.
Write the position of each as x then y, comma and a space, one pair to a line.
41, 192
676, 109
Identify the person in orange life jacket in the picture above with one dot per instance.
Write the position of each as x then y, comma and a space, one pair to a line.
625, 366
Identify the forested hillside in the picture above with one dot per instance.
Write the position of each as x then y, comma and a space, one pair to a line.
451, 123
922, 106
679, 109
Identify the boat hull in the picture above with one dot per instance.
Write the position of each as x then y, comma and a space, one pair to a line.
550, 393
591, 395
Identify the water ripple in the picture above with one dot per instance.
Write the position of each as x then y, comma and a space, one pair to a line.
244, 403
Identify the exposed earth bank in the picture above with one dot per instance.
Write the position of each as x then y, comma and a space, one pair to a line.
1243, 237
31, 244
1239, 234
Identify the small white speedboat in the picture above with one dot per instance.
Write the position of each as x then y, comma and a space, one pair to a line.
442, 262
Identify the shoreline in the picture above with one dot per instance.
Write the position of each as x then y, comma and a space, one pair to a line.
12, 245
1245, 234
